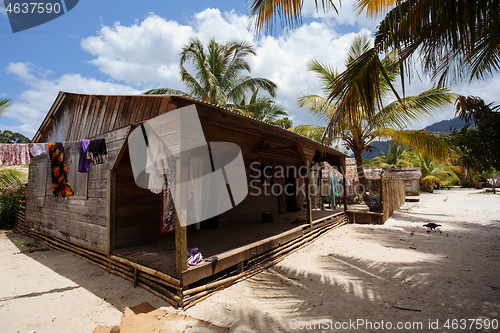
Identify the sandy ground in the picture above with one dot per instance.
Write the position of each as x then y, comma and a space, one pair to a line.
356, 272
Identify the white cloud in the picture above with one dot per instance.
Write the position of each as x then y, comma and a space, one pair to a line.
146, 54
31, 106
3, 12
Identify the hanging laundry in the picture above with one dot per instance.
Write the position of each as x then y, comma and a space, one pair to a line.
59, 171
168, 212
83, 162
97, 152
330, 189
14, 154
194, 256
157, 164
39, 149
336, 185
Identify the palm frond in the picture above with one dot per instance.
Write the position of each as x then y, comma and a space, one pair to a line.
414, 108
453, 39
264, 12
374, 7
12, 176
430, 144
317, 106
5, 104
313, 132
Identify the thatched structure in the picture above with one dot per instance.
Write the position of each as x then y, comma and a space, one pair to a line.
410, 176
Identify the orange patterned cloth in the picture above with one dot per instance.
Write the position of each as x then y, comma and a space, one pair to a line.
59, 171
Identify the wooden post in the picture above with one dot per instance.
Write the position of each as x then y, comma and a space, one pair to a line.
308, 198
343, 171
180, 247
110, 225
180, 231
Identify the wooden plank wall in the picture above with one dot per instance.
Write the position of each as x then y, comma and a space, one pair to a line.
393, 195
138, 210
80, 221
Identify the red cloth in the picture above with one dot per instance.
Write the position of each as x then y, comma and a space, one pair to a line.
14, 154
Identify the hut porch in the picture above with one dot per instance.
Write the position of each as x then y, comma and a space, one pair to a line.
231, 244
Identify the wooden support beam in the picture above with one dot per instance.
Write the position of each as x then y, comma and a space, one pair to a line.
301, 152
180, 247
308, 200
180, 231
344, 172
136, 277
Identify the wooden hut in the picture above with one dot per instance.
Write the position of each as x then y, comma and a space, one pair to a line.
114, 223
410, 176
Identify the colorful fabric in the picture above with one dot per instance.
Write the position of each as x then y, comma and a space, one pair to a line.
14, 154
330, 189
167, 213
83, 162
336, 185
59, 171
194, 256
97, 152
39, 149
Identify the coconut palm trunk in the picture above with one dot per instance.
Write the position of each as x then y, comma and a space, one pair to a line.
361, 175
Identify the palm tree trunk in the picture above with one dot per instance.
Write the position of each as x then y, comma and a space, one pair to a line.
361, 175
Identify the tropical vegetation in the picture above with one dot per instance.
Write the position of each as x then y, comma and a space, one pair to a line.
12, 178
396, 157
357, 130
218, 78
452, 38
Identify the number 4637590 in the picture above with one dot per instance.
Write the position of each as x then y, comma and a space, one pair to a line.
471, 324
33, 7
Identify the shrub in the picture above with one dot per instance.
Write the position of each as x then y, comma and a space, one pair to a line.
9, 205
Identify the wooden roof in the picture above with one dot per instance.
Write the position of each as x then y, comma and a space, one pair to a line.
394, 173
74, 117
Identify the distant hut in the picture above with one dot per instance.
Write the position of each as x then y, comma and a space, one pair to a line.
411, 177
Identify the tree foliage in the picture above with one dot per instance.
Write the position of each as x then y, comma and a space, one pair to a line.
217, 72
12, 137
478, 142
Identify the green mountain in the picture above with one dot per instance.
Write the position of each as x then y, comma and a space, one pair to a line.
444, 126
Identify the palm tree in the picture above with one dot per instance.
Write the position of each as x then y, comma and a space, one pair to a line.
259, 107
217, 77
453, 37
357, 130
396, 157
434, 171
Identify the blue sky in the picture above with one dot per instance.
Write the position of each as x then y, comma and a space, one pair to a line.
127, 47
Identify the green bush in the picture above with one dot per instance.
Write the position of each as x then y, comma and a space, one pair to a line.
9, 205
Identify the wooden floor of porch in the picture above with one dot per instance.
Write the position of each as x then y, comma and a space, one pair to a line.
231, 245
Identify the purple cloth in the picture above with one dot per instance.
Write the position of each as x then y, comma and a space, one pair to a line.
194, 256
83, 163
